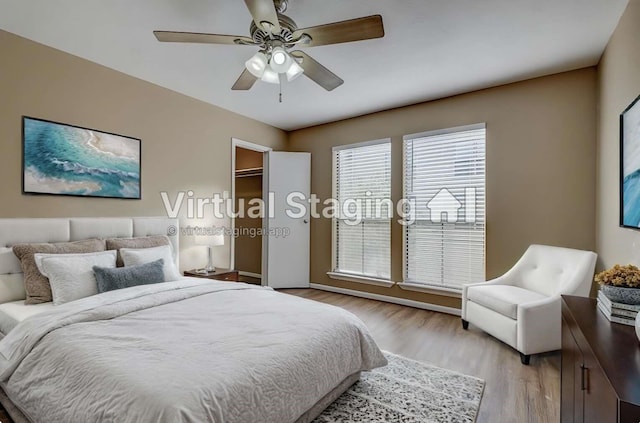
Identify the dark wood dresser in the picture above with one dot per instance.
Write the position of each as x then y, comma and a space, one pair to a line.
600, 366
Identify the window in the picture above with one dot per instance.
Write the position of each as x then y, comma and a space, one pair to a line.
444, 173
362, 227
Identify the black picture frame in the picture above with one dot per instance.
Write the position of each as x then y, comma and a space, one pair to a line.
630, 166
62, 159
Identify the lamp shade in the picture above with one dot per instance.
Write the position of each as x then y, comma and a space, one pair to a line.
257, 64
294, 71
210, 240
280, 60
270, 76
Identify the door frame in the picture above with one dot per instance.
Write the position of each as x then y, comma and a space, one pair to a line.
235, 142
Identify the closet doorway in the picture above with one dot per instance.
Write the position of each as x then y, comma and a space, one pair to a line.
248, 184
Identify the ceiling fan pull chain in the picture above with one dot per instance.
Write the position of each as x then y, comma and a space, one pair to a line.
280, 78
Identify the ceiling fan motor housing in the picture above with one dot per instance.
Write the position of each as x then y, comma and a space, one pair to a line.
263, 37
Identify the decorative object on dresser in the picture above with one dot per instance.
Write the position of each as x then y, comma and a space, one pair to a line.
630, 166
213, 240
64, 159
600, 366
617, 312
522, 307
218, 274
621, 283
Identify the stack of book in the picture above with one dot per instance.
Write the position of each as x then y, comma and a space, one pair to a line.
617, 312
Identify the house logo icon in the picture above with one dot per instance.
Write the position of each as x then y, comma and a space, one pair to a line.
445, 207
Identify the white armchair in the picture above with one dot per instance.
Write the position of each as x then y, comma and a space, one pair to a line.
522, 308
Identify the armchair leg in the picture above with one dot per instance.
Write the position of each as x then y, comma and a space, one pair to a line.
525, 359
465, 324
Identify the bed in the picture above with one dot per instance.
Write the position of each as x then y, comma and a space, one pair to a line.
193, 350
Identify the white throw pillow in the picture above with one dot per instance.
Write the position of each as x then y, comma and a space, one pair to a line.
71, 275
137, 256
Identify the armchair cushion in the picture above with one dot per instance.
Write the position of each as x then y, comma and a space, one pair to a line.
503, 299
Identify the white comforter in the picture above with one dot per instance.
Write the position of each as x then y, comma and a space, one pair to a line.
187, 351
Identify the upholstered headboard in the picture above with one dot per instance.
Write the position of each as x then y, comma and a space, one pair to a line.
17, 231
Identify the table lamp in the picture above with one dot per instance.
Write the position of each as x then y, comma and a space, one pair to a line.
209, 241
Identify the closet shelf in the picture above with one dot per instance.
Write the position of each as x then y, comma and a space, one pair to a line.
245, 173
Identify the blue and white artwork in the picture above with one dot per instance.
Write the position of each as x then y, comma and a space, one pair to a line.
69, 160
630, 150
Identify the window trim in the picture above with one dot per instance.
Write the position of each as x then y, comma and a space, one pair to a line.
349, 277
406, 283
360, 144
443, 132
333, 274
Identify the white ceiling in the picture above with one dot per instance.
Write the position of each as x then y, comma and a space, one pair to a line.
432, 48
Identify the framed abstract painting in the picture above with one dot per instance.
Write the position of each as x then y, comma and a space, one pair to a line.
62, 159
630, 166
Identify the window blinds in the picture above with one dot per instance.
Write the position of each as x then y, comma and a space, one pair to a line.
444, 172
362, 228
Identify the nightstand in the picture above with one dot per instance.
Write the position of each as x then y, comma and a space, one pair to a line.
219, 274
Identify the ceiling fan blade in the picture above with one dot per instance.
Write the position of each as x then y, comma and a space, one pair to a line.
366, 28
245, 82
196, 37
316, 72
264, 11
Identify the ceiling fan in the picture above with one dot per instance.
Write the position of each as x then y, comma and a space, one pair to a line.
276, 35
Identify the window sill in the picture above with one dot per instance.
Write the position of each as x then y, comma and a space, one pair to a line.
431, 289
361, 279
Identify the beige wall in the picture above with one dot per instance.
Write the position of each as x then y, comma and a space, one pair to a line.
186, 144
619, 85
540, 167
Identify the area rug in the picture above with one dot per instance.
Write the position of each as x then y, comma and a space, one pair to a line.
408, 391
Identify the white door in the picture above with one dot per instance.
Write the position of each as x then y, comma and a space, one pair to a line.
287, 240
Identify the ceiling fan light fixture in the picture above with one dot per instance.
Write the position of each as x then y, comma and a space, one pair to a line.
257, 65
279, 57
294, 71
270, 76
280, 60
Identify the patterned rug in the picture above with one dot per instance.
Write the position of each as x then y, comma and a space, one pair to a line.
408, 391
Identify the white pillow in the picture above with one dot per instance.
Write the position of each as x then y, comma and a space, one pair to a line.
137, 256
71, 275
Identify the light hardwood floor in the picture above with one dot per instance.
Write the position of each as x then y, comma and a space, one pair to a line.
513, 393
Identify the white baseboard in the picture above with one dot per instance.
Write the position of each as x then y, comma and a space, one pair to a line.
388, 299
250, 274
